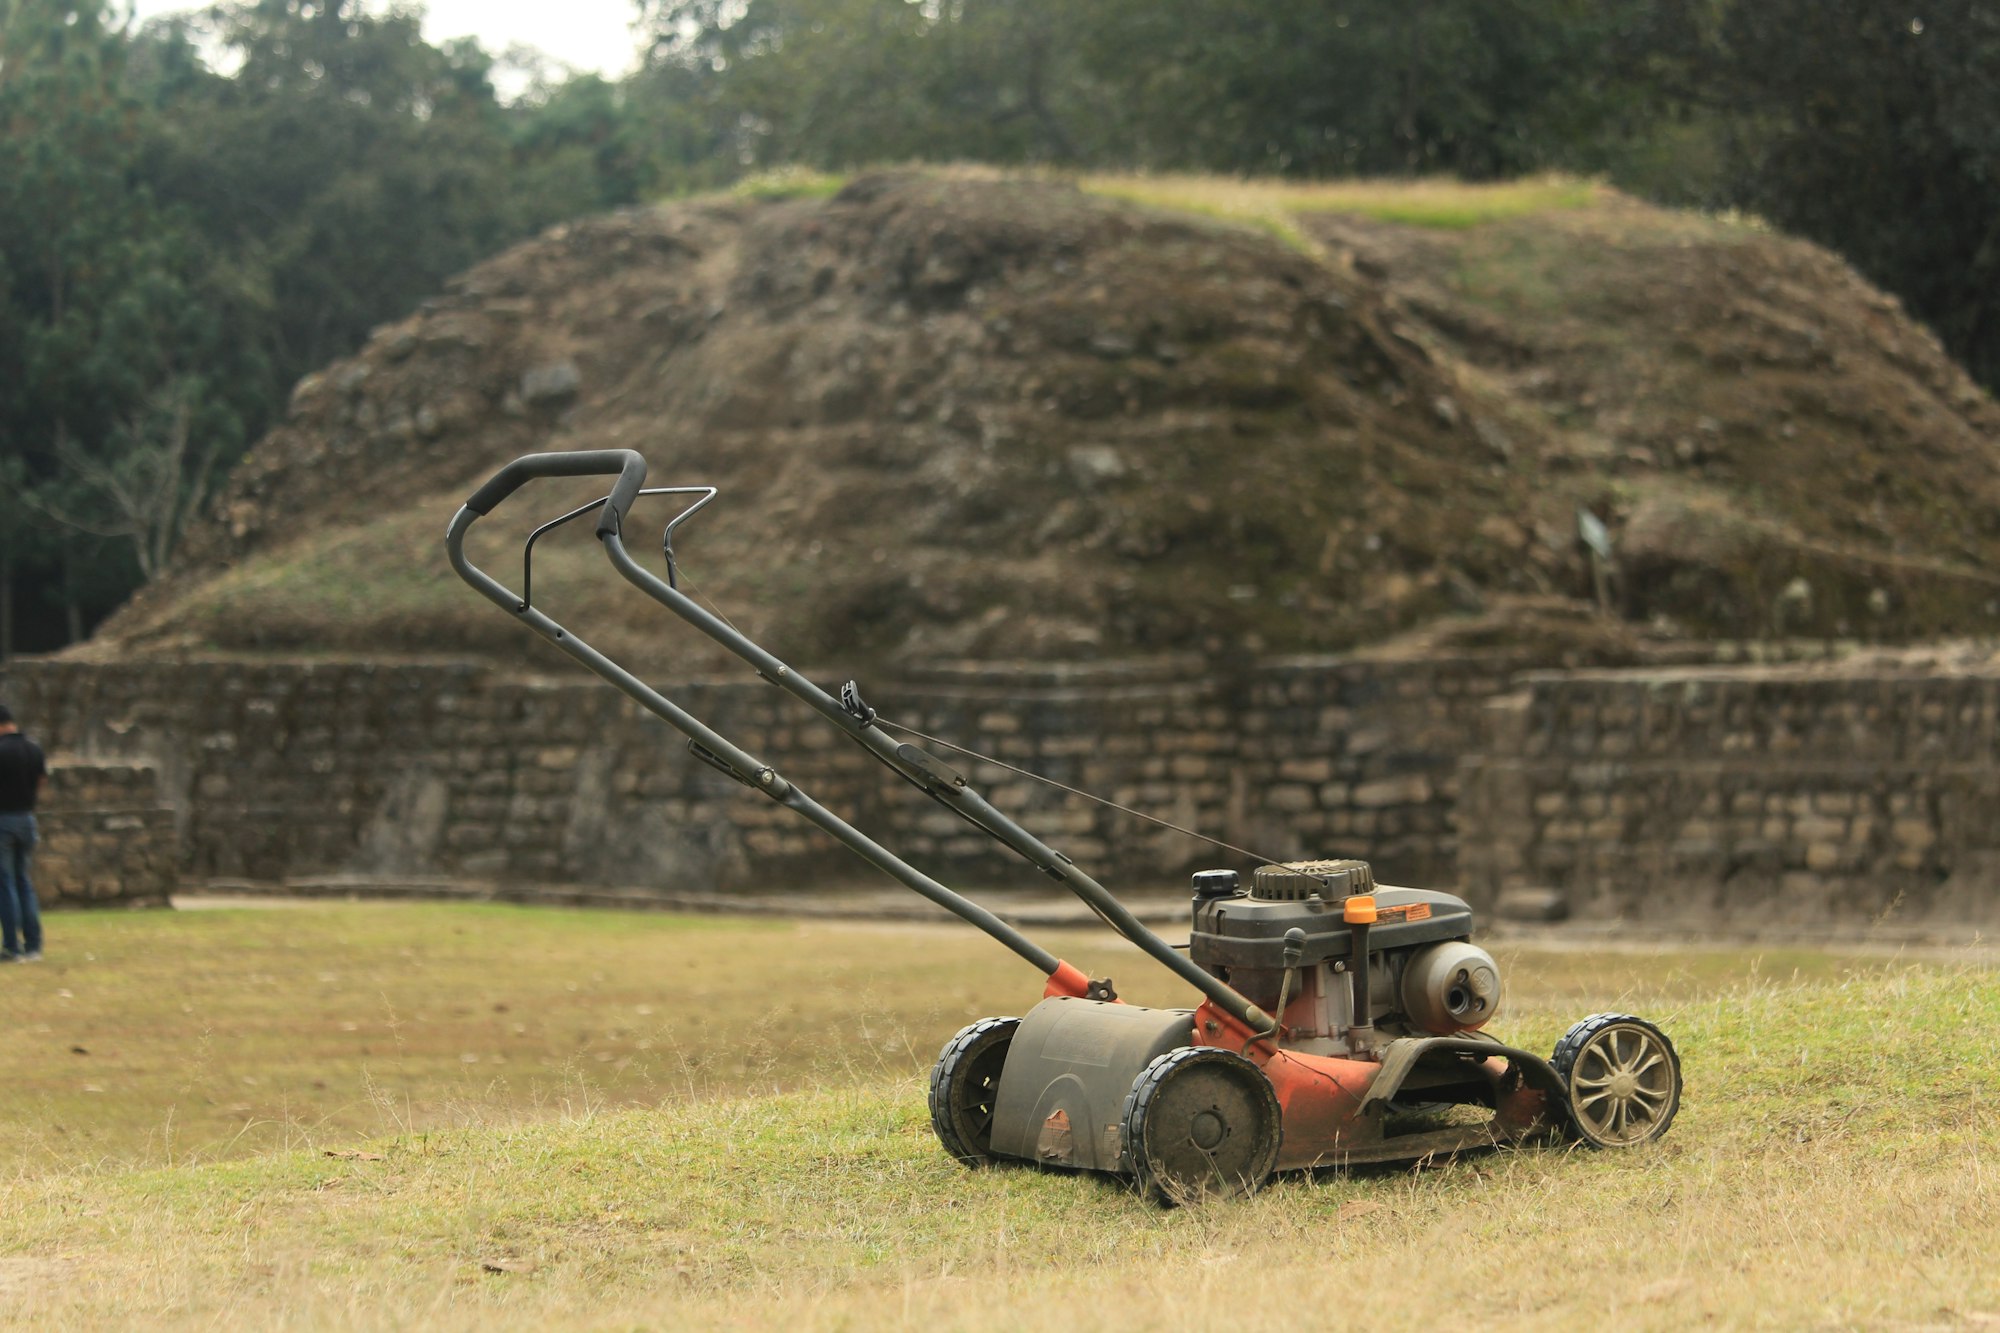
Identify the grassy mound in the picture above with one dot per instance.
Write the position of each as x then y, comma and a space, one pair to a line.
963, 414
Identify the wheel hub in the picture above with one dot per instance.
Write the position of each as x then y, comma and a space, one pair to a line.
1206, 1130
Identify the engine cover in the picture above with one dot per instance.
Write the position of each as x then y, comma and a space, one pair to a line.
1249, 932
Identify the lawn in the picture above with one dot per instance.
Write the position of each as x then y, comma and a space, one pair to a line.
455, 1116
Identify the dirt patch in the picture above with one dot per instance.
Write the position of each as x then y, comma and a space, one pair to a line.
1004, 418
1774, 446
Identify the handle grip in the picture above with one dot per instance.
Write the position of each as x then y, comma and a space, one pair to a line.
626, 463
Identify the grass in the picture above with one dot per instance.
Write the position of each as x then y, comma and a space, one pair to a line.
789, 183
1437, 203
172, 1037
755, 1152
339, 586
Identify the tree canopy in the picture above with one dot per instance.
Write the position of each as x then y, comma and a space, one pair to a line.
179, 245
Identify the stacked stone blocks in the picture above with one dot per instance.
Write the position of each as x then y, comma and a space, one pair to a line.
1683, 794
1701, 796
314, 768
106, 835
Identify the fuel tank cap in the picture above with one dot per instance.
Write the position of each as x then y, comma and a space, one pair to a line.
1214, 884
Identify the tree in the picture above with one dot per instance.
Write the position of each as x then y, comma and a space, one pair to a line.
147, 484
179, 245
103, 309
834, 82
1477, 87
579, 141
345, 170
1876, 131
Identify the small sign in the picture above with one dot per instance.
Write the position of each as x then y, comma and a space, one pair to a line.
1594, 534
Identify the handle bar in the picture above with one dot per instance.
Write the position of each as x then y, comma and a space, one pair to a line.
631, 470
708, 745
629, 467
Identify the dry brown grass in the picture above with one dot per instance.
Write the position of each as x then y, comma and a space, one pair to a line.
1834, 1167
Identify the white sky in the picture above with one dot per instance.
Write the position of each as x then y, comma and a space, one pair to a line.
587, 34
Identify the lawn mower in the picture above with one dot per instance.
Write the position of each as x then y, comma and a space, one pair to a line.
1341, 1021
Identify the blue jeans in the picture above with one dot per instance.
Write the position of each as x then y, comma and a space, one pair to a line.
20, 917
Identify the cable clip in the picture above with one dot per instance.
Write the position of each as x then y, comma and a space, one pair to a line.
857, 708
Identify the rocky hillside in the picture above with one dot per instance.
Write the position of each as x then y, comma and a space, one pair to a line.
964, 416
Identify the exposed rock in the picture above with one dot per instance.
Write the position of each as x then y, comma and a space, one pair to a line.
557, 382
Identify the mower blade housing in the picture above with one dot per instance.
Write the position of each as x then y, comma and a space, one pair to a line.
1068, 1072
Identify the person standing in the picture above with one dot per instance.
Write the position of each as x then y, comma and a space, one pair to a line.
22, 769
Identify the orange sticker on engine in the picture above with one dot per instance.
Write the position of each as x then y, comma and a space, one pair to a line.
1411, 912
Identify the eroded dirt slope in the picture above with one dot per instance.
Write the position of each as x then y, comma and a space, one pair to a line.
989, 417
1774, 445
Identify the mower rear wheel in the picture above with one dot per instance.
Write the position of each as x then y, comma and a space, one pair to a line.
965, 1086
1200, 1123
1623, 1079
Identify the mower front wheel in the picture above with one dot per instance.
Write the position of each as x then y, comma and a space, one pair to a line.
965, 1086
1622, 1077
1200, 1123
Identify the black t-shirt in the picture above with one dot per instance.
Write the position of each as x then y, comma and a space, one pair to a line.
21, 766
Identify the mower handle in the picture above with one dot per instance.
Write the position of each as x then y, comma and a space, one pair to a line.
707, 744
628, 466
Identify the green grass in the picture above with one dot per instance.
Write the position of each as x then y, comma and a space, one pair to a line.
790, 183
358, 574
755, 1152
191, 1036
1437, 203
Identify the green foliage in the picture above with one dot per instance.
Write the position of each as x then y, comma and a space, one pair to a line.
178, 246
580, 144
114, 356
1876, 131
1470, 87
348, 167
1475, 87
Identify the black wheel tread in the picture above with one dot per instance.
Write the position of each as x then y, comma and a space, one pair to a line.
972, 1040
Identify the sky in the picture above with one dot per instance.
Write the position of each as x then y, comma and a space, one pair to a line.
587, 34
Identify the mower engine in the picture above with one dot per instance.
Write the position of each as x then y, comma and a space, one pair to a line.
1288, 946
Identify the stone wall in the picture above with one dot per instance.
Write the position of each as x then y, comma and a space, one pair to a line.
1744, 798
1735, 795
107, 837
285, 770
